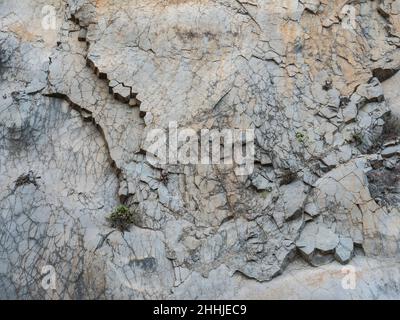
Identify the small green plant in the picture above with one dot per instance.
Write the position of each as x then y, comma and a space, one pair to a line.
301, 137
121, 218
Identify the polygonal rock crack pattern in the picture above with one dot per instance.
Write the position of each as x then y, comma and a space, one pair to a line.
84, 82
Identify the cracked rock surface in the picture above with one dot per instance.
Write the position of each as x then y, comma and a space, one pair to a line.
84, 82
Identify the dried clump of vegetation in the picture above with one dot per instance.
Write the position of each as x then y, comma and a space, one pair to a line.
390, 133
288, 176
25, 179
384, 185
121, 218
391, 129
357, 137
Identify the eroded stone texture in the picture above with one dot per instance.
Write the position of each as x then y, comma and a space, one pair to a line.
78, 101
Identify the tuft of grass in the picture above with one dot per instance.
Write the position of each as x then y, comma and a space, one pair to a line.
121, 218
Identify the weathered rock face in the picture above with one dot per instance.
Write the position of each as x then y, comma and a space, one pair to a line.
84, 83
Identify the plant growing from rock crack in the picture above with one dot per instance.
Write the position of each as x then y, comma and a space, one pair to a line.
301, 137
121, 218
25, 179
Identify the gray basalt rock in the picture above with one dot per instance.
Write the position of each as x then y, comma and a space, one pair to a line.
84, 84
390, 151
344, 250
293, 197
317, 243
